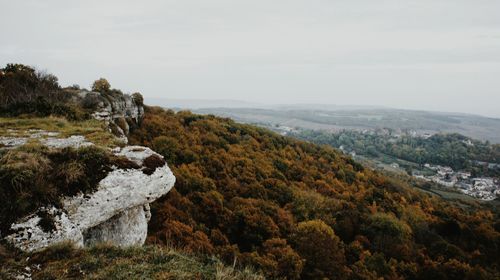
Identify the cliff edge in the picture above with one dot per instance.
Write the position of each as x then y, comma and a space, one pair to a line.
78, 181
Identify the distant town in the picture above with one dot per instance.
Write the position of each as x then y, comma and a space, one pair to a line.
480, 187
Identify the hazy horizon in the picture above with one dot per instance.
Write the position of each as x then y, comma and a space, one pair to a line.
434, 56
196, 104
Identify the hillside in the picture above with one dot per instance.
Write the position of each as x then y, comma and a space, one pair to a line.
454, 150
453, 161
294, 209
243, 194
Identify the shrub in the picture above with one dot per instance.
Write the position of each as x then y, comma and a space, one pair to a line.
20, 83
286, 262
46, 221
24, 90
389, 235
138, 99
151, 163
322, 250
101, 85
166, 146
91, 100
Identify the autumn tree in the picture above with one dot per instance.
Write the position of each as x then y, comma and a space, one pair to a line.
389, 235
102, 85
277, 259
253, 193
322, 250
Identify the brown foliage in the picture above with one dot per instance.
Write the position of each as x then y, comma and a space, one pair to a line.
323, 251
101, 85
265, 199
151, 163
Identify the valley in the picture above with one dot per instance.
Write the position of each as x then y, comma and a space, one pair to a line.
424, 145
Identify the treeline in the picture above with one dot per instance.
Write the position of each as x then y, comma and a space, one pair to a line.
298, 210
454, 150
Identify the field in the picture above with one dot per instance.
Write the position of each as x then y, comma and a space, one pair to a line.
338, 118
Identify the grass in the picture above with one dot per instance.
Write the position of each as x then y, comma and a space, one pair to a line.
94, 130
63, 261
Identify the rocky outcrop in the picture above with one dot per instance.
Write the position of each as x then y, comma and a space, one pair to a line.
121, 111
134, 221
117, 212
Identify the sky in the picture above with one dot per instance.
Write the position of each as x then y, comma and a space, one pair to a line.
426, 54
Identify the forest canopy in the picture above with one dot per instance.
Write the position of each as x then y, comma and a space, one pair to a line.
454, 150
298, 210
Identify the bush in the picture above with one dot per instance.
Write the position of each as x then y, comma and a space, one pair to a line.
138, 99
286, 263
24, 90
151, 163
166, 146
322, 250
20, 83
91, 100
389, 235
102, 85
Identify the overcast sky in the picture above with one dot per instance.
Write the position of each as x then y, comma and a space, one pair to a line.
426, 54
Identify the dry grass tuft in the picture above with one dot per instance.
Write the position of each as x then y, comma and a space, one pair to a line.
151, 163
33, 176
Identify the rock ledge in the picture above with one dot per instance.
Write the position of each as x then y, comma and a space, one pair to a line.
118, 212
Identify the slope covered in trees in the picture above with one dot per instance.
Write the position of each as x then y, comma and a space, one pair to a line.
454, 150
299, 210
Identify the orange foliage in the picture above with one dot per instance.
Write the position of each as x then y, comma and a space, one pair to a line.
294, 209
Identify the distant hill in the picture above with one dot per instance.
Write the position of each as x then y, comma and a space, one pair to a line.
200, 103
340, 118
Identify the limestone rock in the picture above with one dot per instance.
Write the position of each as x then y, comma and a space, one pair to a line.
121, 111
46, 138
117, 212
75, 141
133, 221
120, 190
30, 236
